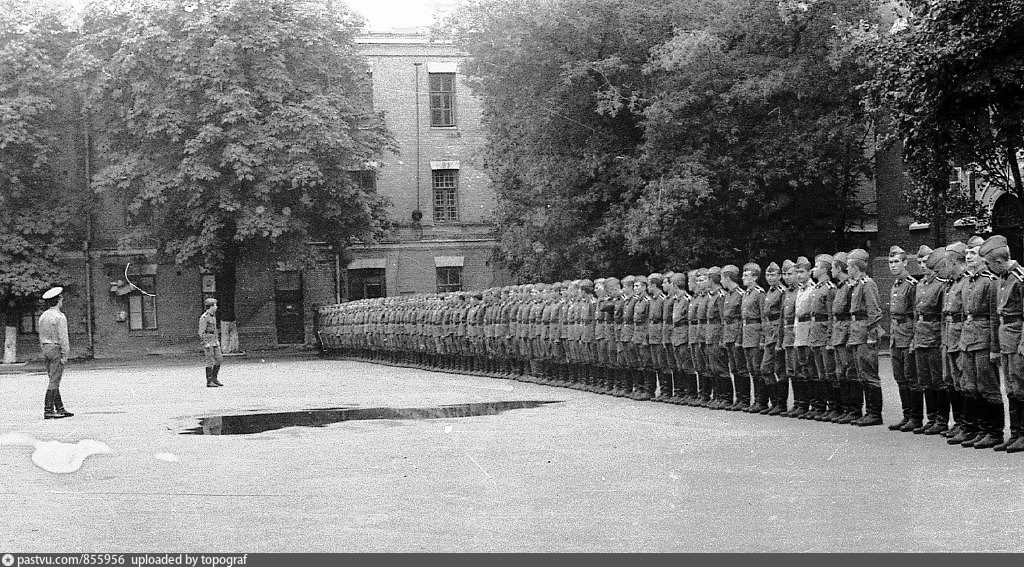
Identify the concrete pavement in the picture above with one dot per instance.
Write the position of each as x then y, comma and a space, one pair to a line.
592, 473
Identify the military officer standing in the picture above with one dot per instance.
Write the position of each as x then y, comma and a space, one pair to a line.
732, 339
819, 339
865, 319
901, 335
846, 368
1010, 308
718, 358
56, 347
928, 300
753, 337
211, 342
773, 361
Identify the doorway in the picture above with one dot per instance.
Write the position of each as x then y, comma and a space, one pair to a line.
289, 317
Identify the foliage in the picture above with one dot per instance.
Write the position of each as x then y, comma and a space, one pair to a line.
625, 137
33, 217
951, 75
233, 126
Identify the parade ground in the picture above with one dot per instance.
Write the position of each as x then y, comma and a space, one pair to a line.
588, 473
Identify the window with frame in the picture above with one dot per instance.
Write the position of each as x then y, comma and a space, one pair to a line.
142, 307
442, 99
449, 279
446, 199
28, 320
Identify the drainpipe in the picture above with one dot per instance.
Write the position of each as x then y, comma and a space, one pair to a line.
90, 306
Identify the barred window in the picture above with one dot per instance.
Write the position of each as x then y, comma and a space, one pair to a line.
446, 199
142, 307
449, 279
28, 320
442, 99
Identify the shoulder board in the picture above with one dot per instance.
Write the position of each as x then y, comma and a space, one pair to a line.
943, 280
721, 293
911, 280
758, 289
1019, 272
831, 284
988, 274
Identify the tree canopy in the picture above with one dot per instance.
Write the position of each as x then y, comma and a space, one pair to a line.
233, 126
34, 216
625, 137
950, 76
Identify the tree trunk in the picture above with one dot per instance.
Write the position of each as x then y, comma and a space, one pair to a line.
10, 345
227, 282
1011, 158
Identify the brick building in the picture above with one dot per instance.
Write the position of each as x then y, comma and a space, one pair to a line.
132, 302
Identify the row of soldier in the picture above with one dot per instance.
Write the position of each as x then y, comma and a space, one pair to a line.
713, 337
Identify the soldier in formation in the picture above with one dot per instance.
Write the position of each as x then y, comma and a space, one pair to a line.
716, 338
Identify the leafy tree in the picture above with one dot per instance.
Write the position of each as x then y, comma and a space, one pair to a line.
233, 126
950, 75
34, 217
560, 84
756, 128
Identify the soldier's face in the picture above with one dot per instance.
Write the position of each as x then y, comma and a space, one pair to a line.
802, 275
653, 288
998, 265
638, 288
923, 264
702, 283
897, 265
973, 260
749, 280
837, 272
819, 272
789, 277
773, 278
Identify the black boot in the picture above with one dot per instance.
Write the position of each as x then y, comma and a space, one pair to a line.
209, 378
48, 411
956, 409
994, 426
873, 403
929, 404
905, 404
977, 418
216, 372
58, 405
916, 412
1016, 424
941, 413
964, 421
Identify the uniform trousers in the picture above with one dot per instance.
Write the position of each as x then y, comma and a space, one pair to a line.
54, 367
1013, 373
825, 364
928, 361
981, 377
903, 368
773, 364
866, 357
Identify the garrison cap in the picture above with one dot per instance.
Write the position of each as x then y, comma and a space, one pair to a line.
207, 302
896, 251
678, 280
702, 272
935, 258
787, 265
823, 261
655, 278
772, 268
731, 271
859, 254
924, 251
628, 280
640, 280
995, 243
975, 242
956, 250
802, 262
53, 292
840, 258
715, 274
753, 268
586, 285
611, 282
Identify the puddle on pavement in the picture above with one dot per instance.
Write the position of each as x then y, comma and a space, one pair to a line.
245, 424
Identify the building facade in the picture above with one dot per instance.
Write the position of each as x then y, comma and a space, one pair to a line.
129, 302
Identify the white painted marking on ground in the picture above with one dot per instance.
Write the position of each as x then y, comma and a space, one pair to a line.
834, 453
55, 456
166, 457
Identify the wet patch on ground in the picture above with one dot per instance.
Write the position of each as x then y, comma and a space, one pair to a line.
249, 423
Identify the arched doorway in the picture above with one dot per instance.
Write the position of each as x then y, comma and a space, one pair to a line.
1008, 220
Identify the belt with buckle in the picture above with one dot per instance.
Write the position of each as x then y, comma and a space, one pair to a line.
976, 317
752, 321
842, 316
1009, 319
772, 318
954, 317
929, 317
804, 318
901, 318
